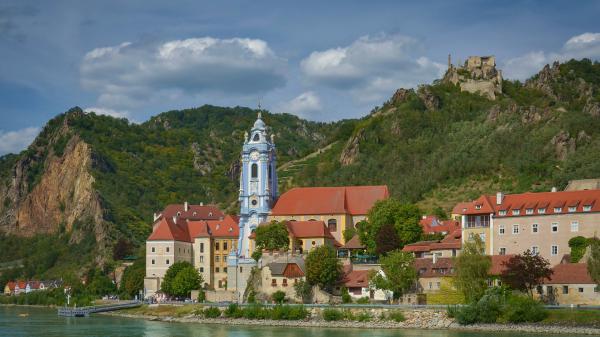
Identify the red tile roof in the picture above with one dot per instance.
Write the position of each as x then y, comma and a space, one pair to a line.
354, 200
535, 201
460, 207
570, 273
451, 241
442, 267
357, 279
187, 230
194, 212
309, 229
498, 264
431, 224
354, 243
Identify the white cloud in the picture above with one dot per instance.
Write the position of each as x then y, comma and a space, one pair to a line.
586, 45
305, 105
16, 141
372, 66
132, 74
109, 112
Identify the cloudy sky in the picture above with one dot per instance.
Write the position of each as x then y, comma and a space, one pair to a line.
321, 60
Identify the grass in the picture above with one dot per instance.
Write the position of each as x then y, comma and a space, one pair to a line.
165, 310
573, 317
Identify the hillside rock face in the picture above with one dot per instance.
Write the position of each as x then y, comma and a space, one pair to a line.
351, 150
62, 197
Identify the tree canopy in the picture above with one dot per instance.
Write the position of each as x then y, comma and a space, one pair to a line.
170, 287
273, 236
471, 269
525, 271
322, 267
400, 274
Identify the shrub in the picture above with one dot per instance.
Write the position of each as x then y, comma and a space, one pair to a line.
233, 311
363, 316
467, 315
211, 312
363, 300
278, 297
524, 309
346, 298
252, 297
289, 313
255, 311
452, 310
331, 314
396, 316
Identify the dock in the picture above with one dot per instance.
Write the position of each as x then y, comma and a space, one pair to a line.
86, 311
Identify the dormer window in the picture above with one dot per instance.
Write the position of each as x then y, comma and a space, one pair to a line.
256, 137
502, 212
516, 212
529, 211
587, 208
557, 209
572, 209
477, 206
541, 211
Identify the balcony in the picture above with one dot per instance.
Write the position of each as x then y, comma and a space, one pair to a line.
477, 221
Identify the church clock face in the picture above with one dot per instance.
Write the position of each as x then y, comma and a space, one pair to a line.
254, 155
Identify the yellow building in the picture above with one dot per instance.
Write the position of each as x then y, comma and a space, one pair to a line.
339, 208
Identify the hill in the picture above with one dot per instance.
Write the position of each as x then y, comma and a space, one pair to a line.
88, 181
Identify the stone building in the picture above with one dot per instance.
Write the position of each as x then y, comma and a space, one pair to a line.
477, 75
570, 283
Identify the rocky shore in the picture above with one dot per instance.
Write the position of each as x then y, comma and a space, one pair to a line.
415, 319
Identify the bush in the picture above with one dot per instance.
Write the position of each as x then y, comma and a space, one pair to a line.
363, 300
330, 314
278, 297
524, 309
363, 316
467, 315
346, 298
255, 311
452, 310
211, 312
396, 316
233, 311
288, 313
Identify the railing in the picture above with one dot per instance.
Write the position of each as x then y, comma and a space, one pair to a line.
86, 311
364, 259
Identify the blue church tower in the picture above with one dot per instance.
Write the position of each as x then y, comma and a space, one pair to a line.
258, 193
258, 182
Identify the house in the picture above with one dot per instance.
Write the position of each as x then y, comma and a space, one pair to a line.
9, 288
449, 246
358, 285
304, 235
541, 222
340, 208
282, 276
199, 234
432, 225
432, 273
458, 210
570, 283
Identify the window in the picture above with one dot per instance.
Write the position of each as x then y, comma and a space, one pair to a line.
502, 251
574, 226
201, 258
565, 289
515, 229
254, 171
557, 209
535, 250
217, 269
202, 269
217, 245
430, 285
580, 290
541, 211
224, 269
202, 247
167, 249
502, 212
501, 230
516, 211
153, 262
225, 245
438, 285
314, 243
168, 261
554, 227
284, 282
534, 228
241, 270
554, 250
587, 208
153, 249
529, 211
273, 282
256, 137
332, 225
572, 209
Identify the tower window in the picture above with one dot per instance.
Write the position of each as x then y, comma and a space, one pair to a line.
332, 225
254, 171
256, 137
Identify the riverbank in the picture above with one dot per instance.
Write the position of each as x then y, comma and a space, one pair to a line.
422, 319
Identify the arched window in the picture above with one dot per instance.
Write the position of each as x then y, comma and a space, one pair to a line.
254, 171
332, 225
256, 137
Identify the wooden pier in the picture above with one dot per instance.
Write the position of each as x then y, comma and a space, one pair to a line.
86, 311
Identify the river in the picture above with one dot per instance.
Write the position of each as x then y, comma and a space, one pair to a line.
29, 321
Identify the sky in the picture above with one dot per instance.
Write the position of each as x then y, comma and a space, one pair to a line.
320, 60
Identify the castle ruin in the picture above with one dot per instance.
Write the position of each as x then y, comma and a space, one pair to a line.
477, 75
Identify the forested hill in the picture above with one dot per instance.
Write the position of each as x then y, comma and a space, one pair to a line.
90, 180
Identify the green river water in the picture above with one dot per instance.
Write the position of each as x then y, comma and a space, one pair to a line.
25, 321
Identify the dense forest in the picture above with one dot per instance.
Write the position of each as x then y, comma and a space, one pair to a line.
433, 146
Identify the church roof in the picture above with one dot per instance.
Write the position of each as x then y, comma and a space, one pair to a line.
168, 229
354, 200
195, 212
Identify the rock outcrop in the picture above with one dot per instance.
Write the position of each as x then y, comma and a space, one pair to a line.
478, 75
352, 148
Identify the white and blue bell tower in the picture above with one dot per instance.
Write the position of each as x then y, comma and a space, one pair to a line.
258, 182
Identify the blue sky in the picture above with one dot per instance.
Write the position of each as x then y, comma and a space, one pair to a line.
321, 60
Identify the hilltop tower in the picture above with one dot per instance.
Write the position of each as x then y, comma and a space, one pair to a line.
258, 193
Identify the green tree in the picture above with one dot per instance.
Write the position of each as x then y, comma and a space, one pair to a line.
322, 267
472, 267
400, 274
525, 271
133, 278
303, 290
593, 262
404, 217
278, 297
100, 284
167, 284
273, 236
349, 233
186, 280
578, 245
440, 213
386, 239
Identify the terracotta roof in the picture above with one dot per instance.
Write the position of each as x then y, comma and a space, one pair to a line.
450, 241
442, 267
357, 279
355, 200
570, 273
354, 243
287, 269
187, 230
194, 212
309, 229
548, 200
498, 264
460, 207
431, 224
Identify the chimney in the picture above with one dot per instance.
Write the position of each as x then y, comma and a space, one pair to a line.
499, 198
186, 206
553, 189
